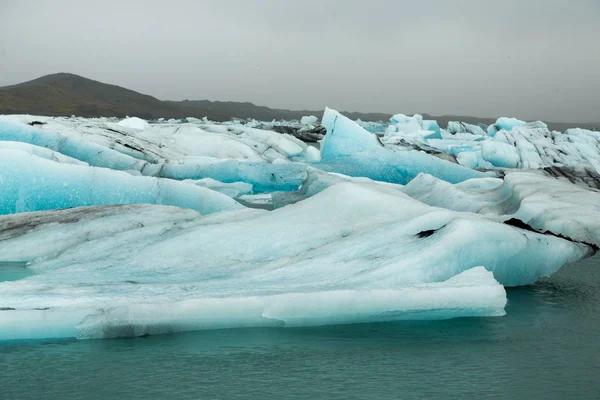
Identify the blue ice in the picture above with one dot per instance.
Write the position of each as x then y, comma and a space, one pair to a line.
91, 153
30, 183
349, 149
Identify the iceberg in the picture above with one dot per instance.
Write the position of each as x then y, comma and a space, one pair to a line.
135, 123
544, 203
103, 143
309, 120
90, 153
500, 154
30, 183
524, 146
339, 232
473, 293
455, 127
504, 123
408, 124
349, 149
351, 253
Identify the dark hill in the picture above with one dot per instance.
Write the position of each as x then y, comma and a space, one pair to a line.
66, 94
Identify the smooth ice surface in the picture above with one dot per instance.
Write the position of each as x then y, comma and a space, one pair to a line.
31, 183
349, 149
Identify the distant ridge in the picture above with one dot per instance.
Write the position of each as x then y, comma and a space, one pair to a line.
65, 94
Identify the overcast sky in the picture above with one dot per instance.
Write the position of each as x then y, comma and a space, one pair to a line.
534, 59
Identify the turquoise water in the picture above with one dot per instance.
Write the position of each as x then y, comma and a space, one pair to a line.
13, 271
547, 346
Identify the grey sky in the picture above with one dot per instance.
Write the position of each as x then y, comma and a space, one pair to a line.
534, 59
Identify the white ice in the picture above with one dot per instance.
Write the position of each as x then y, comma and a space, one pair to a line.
135, 123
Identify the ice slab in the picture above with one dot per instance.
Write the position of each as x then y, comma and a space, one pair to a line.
349, 149
473, 293
263, 177
156, 142
88, 152
31, 183
354, 252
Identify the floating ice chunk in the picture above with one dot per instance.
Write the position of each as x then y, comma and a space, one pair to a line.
135, 123
455, 127
344, 242
432, 126
344, 137
30, 183
349, 149
42, 152
473, 159
356, 253
91, 153
410, 127
262, 176
408, 124
473, 293
530, 145
544, 203
102, 138
500, 154
316, 181
504, 123
309, 120
474, 129
508, 123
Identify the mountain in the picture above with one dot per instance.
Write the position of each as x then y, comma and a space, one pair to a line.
65, 94
68, 94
